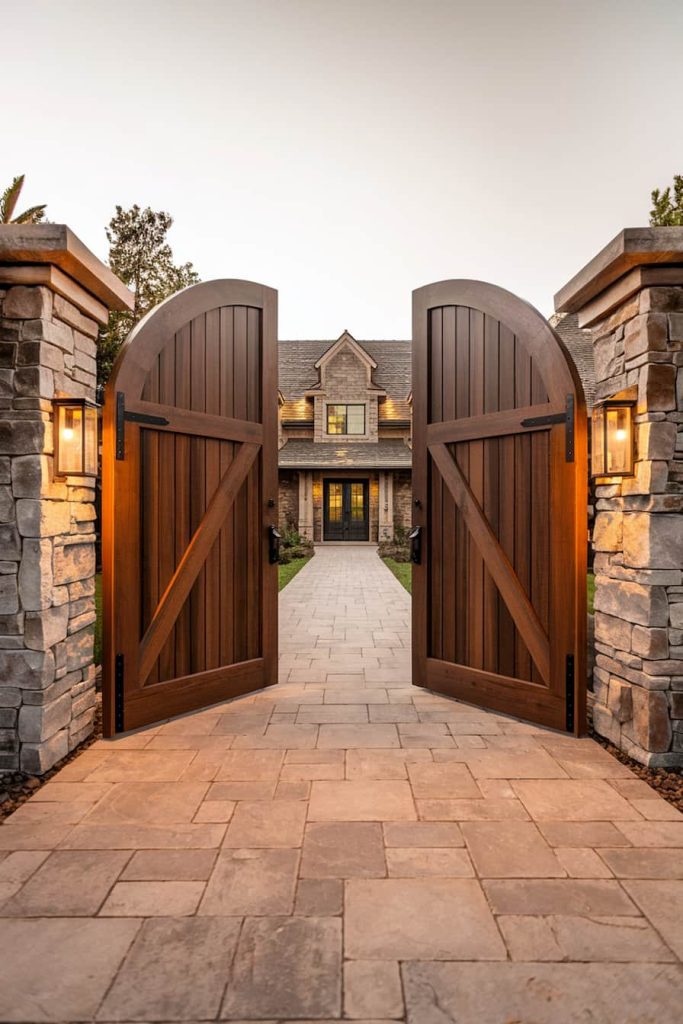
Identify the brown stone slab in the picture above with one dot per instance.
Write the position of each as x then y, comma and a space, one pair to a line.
582, 833
361, 801
542, 993
654, 833
510, 849
613, 939
558, 896
78, 959
153, 899
251, 882
250, 766
350, 736
343, 850
142, 766
144, 837
419, 919
581, 862
177, 969
311, 772
383, 764
319, 897
223, 791
266, 823
505, 764
471, 810
573, 800
372, 988
69, 883
148, 803
662, 904
286, 967
451, 781
279, 737
170, 866
428, 862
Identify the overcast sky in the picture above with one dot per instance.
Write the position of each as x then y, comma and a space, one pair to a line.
348, 151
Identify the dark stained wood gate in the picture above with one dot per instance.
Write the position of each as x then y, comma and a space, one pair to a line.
189, 493
499, 486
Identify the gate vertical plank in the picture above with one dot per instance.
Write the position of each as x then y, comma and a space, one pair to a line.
227, 408
436, 562
169, 473
198, 495
475, 596
450, 566
212, 572
491, 485
253, 496
540, 514
523, 540
150, 521
506, 497
183, 398
461, 453
240, 400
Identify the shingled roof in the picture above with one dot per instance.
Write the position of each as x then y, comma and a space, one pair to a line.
579, 344
298, 374
389, 453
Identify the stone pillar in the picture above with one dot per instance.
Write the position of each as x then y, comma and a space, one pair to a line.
386, 505
631, 297
53, 295
306, 504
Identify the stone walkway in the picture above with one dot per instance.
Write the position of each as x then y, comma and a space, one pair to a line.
343, 845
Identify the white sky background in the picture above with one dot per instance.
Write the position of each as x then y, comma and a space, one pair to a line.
346, 152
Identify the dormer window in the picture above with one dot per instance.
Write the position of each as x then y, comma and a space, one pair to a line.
346, 419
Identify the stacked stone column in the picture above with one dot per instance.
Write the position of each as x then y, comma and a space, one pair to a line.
638, 528
47, 524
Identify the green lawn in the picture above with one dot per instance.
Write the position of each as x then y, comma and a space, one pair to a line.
286, 573
402, 571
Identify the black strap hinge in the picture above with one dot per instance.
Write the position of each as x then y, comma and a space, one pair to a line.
566, 417
132, 417
118, 693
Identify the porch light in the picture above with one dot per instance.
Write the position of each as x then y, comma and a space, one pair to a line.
75, 433
612, 437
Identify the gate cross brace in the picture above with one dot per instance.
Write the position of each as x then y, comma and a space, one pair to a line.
195, 555
522, 611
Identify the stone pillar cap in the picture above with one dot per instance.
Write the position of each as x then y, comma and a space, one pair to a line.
631, 248
56, 245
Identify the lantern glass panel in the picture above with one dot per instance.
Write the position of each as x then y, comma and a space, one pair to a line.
619, 440
598, 441
69, 439
90, 441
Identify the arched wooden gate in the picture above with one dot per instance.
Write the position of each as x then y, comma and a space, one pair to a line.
499, 488
189, 493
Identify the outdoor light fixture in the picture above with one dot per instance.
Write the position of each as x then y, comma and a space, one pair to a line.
75, 434
612, 438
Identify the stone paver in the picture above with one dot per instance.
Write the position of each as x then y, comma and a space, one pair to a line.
320, 849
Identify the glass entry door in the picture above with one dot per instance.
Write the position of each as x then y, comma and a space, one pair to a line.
346, 509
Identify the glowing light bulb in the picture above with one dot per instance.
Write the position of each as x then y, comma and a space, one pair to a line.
620, 434
67, 434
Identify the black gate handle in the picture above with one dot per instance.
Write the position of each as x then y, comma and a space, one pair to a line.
415, 538
274, 536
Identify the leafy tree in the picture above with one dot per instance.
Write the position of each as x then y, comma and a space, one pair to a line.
9, 200
140, 255
667, 212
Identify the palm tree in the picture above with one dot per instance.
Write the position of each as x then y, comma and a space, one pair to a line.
10, 198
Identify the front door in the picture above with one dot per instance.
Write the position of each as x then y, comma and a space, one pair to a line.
190, 491
500, 495
346, 510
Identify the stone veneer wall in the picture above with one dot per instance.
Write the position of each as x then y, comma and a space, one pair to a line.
47, 535
638, 535
288, 499
403, 499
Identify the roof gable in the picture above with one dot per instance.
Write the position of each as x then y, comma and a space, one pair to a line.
345, 340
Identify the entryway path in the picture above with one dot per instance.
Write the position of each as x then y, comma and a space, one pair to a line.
343, 845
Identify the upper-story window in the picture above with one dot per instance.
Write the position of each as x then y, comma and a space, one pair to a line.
346, 419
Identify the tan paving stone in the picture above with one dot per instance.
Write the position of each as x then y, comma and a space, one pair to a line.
266, 823
393, 713
241, 791
250, 766
310, 772
582, 833
615, 939
452, 781
76, 792
657, 810
148, 803
582, 863
360, 696
279, 737
653, 833
142, 766
143, 837
252, 882
510, 849
153, 899
46, 814
319, 897
471, 810
662, 904
69, 883
542, 993
243, 725
573, 800
177, 969
317, 756
530, 938
651, 862
422, 833
343, 850
292, 791
215, 811
286, 967
425, 735
17, 868
419, 919
33, 837
428, 862
372, 988
350, 736
361, 801
59, 969
332, 714
383, 764
505, 764
170, 866
558, 896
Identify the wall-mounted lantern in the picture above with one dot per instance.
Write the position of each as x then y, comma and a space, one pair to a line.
612, 438
75, 435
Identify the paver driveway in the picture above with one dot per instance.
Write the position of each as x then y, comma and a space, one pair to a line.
343, 845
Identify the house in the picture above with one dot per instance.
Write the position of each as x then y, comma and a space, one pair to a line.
345, 421
345, 433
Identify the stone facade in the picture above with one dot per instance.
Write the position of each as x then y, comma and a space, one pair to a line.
47, 526
638, 528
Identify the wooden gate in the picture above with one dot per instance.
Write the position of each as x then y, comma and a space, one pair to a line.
189, 493
499, 488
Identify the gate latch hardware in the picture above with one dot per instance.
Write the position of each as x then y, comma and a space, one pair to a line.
560, 417
274, 537
118, 693
132, 417
415, 538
